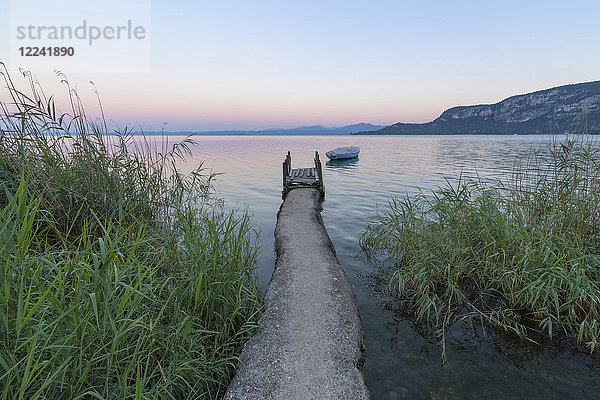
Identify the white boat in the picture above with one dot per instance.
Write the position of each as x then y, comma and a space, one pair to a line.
343, 153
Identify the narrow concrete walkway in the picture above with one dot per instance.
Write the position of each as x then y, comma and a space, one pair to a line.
311, 344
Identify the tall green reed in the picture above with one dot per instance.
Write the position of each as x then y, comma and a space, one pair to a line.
522, 256
120, 276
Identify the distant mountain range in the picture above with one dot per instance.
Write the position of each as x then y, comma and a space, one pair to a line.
321, 130
301, 130
556, 110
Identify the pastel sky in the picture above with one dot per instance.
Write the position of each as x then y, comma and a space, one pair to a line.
219, 65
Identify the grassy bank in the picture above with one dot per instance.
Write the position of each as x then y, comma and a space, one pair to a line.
120, 277
522, 256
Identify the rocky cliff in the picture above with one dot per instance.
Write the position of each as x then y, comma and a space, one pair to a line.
562, 109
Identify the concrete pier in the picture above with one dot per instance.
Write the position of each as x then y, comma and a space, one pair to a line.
311, 342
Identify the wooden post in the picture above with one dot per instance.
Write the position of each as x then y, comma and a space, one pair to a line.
319, 169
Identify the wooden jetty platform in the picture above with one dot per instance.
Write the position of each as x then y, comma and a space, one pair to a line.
302, 177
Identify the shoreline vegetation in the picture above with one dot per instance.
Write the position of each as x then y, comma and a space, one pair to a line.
120, 277
521, 256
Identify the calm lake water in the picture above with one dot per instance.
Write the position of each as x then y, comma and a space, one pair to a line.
401, 361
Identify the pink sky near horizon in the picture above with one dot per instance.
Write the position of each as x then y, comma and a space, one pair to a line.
236, 65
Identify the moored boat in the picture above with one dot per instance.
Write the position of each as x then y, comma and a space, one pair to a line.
342, 153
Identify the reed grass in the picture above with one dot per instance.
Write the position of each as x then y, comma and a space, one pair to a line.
522, 255
120, 277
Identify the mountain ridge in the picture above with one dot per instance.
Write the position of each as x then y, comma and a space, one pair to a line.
299, 131
321, 130
559, 109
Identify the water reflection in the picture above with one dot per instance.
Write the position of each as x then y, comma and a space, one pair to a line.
343, 163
